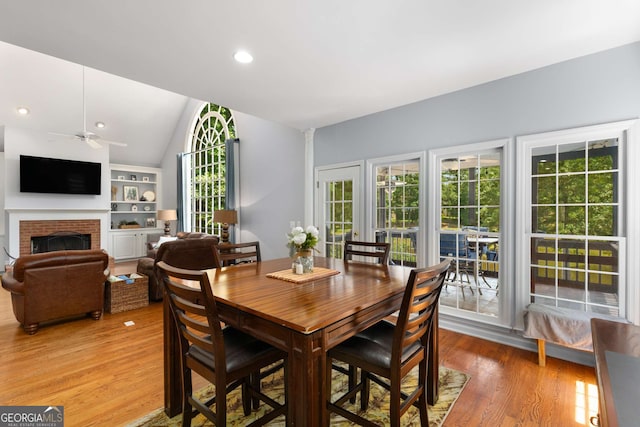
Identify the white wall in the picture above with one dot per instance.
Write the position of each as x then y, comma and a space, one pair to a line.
271, 187
272, 165
21, 141
18, 205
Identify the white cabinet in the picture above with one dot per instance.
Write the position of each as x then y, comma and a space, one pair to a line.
125, 245
135, 193
131, 243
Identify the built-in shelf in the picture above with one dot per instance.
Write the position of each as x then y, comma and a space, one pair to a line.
130, 184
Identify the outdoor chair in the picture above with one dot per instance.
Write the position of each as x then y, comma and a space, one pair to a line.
456, 247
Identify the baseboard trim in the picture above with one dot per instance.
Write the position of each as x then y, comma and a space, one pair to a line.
513, 338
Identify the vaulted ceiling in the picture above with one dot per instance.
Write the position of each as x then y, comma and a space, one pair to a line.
315, 63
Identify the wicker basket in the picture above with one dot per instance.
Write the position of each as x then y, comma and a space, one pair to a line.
121, 296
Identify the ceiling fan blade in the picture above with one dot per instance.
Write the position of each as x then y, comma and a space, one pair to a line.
64, 135
121, 144
92, 143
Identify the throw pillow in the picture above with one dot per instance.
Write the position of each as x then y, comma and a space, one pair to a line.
164, 239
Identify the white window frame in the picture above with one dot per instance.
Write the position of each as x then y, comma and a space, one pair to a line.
505, 317
188, 165
370, 199
629, 200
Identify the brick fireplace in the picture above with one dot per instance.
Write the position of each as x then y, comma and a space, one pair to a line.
29, 228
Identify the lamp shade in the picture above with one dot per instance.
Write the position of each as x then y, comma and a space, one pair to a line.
225, 216
167, 215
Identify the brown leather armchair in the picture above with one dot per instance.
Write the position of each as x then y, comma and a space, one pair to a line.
152, 246
190, 254
56, 285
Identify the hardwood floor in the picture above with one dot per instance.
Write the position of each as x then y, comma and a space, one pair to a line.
107, 374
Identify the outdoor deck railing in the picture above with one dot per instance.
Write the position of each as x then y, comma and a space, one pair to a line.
571, 263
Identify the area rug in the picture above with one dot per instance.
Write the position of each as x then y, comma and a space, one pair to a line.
451, 384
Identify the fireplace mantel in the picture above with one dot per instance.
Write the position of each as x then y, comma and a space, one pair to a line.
26, 222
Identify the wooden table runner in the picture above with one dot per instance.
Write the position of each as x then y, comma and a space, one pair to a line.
289, 276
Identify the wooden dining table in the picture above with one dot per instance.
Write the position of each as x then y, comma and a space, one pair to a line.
304, 319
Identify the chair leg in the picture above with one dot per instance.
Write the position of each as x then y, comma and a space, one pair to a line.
476, 266
187, 410
255, 383
246, 396
466, 273
395, 398
366, 387
484, 279
221, 404
468, 281
31, 329
353, 373
422, 400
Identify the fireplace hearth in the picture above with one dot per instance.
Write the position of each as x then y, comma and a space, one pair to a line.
29, 229
60, 241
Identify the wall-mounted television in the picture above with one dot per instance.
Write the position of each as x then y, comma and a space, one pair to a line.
46, 175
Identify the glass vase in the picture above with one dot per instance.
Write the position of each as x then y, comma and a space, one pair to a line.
306, 259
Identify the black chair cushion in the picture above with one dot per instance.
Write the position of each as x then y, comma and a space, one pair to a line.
373, 346
241, 350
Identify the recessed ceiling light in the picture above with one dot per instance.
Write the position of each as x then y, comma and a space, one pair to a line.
23, 111
99, 125
243, 57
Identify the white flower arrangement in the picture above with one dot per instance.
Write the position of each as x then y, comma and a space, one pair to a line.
300, 239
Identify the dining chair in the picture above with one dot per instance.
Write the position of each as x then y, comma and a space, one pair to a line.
224, 356
379, 251
237, 253
387, 352
228, 254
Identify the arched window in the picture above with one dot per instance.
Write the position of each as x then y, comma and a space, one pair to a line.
205, 180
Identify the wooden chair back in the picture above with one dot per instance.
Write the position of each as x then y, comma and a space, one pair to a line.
237, 253
415, 318
378, 251
194, 310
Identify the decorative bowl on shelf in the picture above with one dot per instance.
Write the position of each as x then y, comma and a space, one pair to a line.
149, 196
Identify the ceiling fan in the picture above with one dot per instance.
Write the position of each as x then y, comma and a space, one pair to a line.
92, 139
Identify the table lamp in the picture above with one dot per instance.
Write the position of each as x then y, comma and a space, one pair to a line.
167, 215
225, 217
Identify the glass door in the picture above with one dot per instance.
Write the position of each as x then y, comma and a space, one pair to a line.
338, 203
